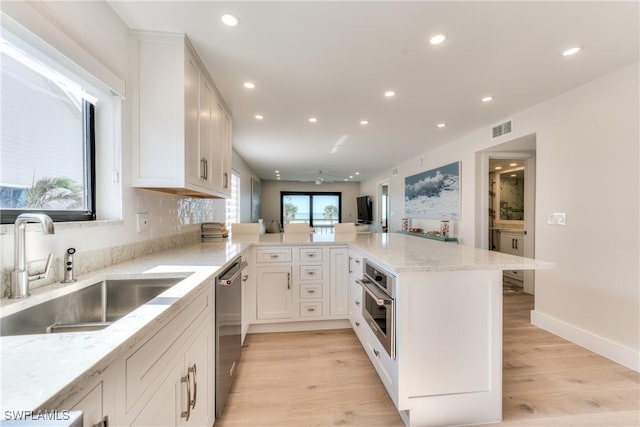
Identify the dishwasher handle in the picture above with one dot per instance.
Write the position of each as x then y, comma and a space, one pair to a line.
236, 269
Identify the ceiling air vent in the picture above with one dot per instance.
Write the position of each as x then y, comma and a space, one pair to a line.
502, 129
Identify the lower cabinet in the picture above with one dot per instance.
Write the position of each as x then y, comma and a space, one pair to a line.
182, 398
339, 281
93, 404
274, 292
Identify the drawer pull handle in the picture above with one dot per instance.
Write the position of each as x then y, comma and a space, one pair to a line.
358, 324
376, 352
311, 309
192, 370
311, 255
311, 291
186, 414
274, 256
311, 273
357, 302
104, 422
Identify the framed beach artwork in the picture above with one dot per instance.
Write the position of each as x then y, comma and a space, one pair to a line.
434, 194
256, 190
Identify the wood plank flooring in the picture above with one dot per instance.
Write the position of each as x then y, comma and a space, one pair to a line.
324, 378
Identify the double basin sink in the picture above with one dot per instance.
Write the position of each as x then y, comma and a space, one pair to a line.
90, 308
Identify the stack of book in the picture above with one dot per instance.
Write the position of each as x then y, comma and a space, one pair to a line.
213, 231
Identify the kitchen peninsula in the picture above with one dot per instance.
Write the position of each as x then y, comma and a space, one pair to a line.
448, 323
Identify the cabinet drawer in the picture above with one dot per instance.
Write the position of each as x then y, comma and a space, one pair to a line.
311, 309
310, 290
273, 255
147, 362
310, 272
310, 254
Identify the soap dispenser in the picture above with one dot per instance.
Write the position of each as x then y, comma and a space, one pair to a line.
68, 266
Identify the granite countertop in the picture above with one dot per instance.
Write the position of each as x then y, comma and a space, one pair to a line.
35, 368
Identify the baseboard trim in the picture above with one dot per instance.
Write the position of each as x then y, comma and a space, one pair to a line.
612, 350
318, 325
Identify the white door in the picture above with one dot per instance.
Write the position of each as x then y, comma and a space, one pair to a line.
274, 292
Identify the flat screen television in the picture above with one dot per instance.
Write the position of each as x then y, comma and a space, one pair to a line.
365, 214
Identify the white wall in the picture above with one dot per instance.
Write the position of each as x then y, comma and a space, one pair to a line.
587, 166
271, 197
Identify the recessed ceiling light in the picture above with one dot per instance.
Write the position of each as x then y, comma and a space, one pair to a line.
487, 99
498, 168
277, 171
259, 116
364, 122
278, 178
437, 39
357, 173
571, 51
230, 20
389, 94
513, 175
441, 125
350, 176
346, 179
249, 85
513, 164
313, 120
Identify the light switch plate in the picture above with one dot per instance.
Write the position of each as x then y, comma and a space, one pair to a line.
557, 218
143, 222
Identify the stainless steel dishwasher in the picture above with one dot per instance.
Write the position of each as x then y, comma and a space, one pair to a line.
228, 330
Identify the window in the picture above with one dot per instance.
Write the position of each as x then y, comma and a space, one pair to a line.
319, 210
233, 203
47, 142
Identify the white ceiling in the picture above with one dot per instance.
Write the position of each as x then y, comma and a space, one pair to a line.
334, 60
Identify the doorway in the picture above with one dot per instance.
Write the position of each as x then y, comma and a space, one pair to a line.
383, 213
507, 206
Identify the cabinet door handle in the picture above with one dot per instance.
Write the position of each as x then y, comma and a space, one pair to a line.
350, 265
206, 169
192, 370
357, 302
104, 422
186, 414
357, 261
357, 324
516, 244
513, 243
202, 168
376, 352
225, 179
288, 280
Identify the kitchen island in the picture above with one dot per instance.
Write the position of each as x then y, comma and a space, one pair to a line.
449, 301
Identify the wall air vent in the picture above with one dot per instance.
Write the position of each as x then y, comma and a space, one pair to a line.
394, 171
501, 129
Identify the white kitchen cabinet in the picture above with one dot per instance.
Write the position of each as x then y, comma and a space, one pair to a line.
181, 127
339, 281
183, 396
96, 405
274, 292
355, 296
512, 243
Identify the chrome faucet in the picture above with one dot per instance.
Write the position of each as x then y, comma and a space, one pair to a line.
20, 277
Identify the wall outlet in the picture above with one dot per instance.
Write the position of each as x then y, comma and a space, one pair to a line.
557, 218
143, 222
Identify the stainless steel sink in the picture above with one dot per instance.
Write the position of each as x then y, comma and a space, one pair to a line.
92, 308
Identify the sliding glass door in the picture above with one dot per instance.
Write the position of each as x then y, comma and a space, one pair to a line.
319, 210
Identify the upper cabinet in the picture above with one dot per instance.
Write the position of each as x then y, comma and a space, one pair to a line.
181, 127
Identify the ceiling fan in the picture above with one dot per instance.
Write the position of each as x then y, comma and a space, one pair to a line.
320, 179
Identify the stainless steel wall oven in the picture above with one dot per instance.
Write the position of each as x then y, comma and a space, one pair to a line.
378, 308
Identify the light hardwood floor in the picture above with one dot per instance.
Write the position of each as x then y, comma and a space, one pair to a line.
324, 378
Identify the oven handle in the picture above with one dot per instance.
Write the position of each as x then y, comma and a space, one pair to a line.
379, 297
